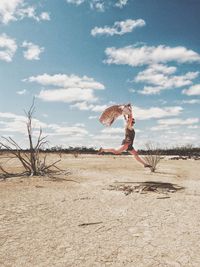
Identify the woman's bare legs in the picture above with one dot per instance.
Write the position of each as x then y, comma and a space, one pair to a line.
115, 151
124, 148
137, 157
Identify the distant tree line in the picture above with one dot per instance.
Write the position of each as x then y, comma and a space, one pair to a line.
187, 150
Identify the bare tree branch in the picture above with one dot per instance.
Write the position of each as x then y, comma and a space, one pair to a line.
32, 161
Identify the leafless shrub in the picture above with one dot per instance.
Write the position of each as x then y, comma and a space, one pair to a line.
153, 156
33, 162
75, 153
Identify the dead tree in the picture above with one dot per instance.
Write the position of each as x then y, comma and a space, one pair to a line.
32, 161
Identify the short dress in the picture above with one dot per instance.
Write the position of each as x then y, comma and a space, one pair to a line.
129, 138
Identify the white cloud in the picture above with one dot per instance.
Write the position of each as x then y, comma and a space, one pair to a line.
98, 5
160, 77
121, 3
11, 122
192, 101
193, 127
8, 48
92, 117
8, 10
67, 130
12, 10
155, 112
30, 12
177, 121
66, 81
22, 92
131, 90
147, 55
67, 95
113, 130
112, 139
76, 2
44, 16
193, 90
138, 112
168, 124
119, 27
73, 88
33, 51
92, 107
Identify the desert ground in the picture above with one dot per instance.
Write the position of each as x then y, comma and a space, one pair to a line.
77, 220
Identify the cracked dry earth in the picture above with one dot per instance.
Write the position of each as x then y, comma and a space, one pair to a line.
65, 223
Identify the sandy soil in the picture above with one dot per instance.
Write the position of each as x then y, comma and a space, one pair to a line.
43, 222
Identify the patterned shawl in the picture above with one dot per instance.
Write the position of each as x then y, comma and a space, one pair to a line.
112, 113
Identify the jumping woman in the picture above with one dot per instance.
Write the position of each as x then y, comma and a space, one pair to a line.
127, 143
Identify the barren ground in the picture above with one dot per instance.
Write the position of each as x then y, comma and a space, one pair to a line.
43, 222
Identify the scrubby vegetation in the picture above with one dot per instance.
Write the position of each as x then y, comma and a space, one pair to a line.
187, 150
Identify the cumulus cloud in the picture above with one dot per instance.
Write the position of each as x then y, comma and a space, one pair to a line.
119, 27
121, 3
193, 90
30, 12
139, 112
67, 95
76, 2
33, 51
13, 123
147, 55
160, 78
72, 88
177, 121
100, 5
67, 130
92, 107
8, 48
155, 112
66, 81
168, 124
8, 10
13, 10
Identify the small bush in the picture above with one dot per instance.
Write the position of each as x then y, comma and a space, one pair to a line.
153, 156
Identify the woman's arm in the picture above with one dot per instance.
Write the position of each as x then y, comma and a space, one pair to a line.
129, 122
130, 117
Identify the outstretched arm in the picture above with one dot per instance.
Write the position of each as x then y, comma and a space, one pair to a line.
130, 117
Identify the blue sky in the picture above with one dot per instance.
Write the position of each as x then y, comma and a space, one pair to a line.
80, 56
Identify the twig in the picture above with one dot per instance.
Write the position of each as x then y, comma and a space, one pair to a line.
86, 224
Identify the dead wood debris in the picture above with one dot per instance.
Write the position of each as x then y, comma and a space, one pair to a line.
92, 223
145, 187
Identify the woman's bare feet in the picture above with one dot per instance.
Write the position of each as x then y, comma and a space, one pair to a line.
147, 166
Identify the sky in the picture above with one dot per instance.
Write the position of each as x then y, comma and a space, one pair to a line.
77, 57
